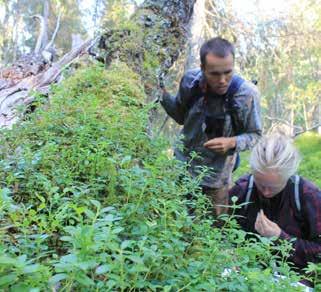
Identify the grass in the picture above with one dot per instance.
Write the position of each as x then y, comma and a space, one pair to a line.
309, 146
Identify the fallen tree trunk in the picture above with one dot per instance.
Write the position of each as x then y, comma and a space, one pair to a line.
21, 93
149, 43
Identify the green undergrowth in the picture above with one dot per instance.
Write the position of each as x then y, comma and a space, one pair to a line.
89, 202
244, 165
309, 145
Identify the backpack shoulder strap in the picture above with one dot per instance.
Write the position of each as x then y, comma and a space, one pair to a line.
297, 192
235, 85
249, 191
194, 77
231, 104
296, 181
189, 88
299, 214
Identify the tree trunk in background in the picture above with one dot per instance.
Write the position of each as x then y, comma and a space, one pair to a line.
198, 23
43, 32
292, 115
15, 38
305, 116
319, 114
151, 41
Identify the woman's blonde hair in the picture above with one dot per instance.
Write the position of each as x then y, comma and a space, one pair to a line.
275, 152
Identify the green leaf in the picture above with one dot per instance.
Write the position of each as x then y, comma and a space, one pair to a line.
135, 259
8, 280
31, 268
69, 258
66, 238
126, 243
117, 230
90, 214
5, 260
107, 209
102, 269
85, 280
139, 269
96, 203
57, 278
22, 287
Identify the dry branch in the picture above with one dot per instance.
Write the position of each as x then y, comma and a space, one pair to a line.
21, 94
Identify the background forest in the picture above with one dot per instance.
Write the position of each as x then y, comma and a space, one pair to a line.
277, 44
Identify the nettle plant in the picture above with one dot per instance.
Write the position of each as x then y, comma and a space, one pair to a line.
89, 202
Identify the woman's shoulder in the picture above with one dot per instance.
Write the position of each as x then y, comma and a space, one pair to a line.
310, 189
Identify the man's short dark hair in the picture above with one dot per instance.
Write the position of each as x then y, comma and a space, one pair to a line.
217, 46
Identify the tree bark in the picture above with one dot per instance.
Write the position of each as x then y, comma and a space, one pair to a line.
305, 116
153, 40
197, 36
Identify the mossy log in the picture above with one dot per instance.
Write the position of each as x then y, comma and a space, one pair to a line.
151, 41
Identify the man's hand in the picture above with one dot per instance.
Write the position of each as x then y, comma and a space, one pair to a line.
266, 227
221, 145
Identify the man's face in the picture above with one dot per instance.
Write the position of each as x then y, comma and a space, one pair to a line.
269, 183
218, 72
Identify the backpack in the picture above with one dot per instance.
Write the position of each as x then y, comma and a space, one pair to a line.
235, 85
295, 179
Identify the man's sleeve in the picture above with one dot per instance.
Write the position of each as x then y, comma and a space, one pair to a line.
177, 106
252, 122
305, 251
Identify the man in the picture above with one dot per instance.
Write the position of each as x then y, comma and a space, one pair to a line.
220, 114
278, 204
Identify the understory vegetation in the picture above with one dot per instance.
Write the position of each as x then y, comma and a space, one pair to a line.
309, 145
90, 202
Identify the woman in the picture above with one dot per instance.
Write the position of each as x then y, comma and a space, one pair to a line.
280, 204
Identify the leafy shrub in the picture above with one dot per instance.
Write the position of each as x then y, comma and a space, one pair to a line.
90, 202
309, 145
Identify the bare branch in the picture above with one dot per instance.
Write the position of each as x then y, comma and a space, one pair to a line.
282, 121
21, 93
52, 73
42, 31
50, 44
308, 130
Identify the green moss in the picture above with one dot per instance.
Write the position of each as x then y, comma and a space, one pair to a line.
148, 42
151, 61
309, 145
